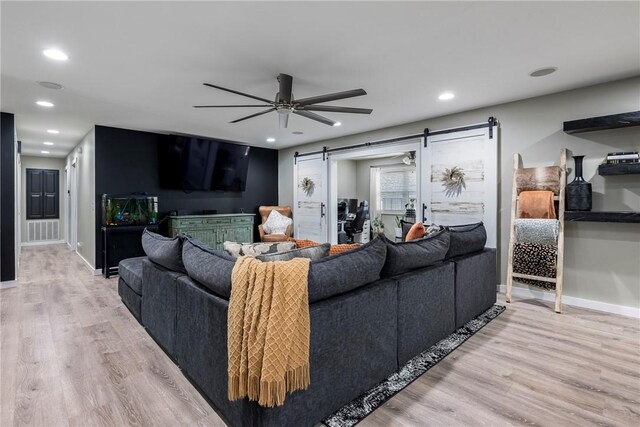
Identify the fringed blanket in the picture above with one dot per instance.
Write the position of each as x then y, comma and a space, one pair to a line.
268, 330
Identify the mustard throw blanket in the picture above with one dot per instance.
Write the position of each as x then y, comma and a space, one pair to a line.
268, 330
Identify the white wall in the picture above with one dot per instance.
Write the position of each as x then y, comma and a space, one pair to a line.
31, 162
601, 259
86, 167
346, 174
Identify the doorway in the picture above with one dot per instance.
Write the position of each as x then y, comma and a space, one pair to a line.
364, 165
72, 204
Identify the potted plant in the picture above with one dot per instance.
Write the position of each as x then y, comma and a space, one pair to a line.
377, 225
398, 229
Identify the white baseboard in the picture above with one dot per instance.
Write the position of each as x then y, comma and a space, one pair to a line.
624, 310
95, 271
8, 284
43, 242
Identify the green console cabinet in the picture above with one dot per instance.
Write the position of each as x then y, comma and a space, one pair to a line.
214, 230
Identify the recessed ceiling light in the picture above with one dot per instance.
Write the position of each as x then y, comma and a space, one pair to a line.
44, 152
44, 103
446, 96
336, 124
48, 143
53, 131
271, 140
543, 71
51, 85
297, 132
56, 54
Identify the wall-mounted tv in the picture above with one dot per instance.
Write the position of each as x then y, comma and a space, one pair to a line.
198, 164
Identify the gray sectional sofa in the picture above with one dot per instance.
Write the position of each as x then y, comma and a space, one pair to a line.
372, 309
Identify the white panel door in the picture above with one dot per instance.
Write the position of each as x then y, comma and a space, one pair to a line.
310, 197
460, 179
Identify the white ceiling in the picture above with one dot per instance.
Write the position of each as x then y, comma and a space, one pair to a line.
141, 65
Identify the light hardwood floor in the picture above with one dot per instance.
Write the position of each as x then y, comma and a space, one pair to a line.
72, 354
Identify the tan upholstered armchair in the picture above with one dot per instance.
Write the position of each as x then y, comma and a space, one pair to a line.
264, 213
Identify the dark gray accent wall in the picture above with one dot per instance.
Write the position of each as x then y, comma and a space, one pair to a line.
127, 161
7, 197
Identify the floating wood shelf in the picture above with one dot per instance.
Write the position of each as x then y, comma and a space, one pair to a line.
612, 121
619, 169
595, 216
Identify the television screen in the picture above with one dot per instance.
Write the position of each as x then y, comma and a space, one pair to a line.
198, 164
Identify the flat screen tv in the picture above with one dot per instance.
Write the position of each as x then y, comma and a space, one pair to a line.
198, 164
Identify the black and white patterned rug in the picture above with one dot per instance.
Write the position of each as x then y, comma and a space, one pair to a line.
355, 411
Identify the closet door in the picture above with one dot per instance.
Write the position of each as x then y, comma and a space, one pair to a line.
51, 202
34, 193
310, 196
460, 178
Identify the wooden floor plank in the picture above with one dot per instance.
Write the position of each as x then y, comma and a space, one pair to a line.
72, 354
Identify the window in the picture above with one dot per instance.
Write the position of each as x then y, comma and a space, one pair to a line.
43, 201
395, 186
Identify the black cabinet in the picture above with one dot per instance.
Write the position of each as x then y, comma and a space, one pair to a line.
121, 243
43, 201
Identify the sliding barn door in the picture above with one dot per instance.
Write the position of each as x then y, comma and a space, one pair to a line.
460, 178
310, 197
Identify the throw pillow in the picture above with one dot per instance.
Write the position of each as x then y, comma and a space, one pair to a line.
407, 256
466, 239
164, 251
406, 226
343, 247
312, 252
233, 248
276, 223
417, 231
255, 249
303, 243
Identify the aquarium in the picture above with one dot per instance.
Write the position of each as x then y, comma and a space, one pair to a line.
129, 209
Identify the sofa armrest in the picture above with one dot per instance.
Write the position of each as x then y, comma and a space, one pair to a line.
261, 231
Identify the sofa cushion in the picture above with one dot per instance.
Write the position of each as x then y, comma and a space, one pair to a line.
466, 239
313, 253
164, 251
255, 249
130, 270
208, 266
341, 273
407, 256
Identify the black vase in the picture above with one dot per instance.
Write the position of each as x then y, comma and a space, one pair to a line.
579, 190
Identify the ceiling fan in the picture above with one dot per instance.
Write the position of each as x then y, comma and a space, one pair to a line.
285, 104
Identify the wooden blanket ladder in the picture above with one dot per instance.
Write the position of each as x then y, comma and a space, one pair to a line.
551, 178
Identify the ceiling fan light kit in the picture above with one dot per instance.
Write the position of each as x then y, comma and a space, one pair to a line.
285, 104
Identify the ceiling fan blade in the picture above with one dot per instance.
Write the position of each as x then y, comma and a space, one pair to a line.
254, 115
284, 92
330, 97
228, 106
314, 116
331, 109
283, 120
238, 93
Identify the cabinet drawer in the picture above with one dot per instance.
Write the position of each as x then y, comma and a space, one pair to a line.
186, 222
242, 220
218, 221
